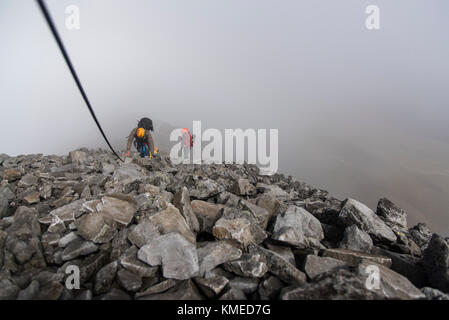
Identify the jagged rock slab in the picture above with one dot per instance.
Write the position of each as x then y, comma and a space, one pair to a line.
394, 216
105, 277
77, 248
315, 265
157, 288
299, 228
178, 256
354, 258
406, 265
356, 240
339, 285
355, 212
128, 280
181, 200
98, 227
207, 214
185, 290
434, 294
171, 220
278, 266
211, 287
243, 187
213, 254
144, 232
248, 265
130, 262
120, 207
391, 284
421, 235
436, 263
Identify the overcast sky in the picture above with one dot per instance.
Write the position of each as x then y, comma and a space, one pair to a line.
360, 113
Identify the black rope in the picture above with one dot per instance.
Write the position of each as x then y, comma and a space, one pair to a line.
49, 20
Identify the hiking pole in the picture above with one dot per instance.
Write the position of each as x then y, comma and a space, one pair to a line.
50, 23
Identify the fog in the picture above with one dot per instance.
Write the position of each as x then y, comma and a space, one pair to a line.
360, 113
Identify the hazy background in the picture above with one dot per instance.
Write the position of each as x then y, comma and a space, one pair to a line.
360, 113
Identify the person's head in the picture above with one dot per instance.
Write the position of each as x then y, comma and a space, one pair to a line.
184, 130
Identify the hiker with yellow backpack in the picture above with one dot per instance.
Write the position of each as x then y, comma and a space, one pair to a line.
143, 141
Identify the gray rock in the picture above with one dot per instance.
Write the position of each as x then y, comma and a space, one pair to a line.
130, 262
78, 157
143, 233
261, 215
315, 265
406, 265
211, 287
184, 290
203, 188
178, 256
273, 205
105, 277
239, 230
356, 240
127, 174
8, 290
181, 200
28, 180
391, 284
421, 235
436, 263
273, 190
243, 187
284, 252
170, 220
434, 294
119, 207
67, 213
214, 254
338, 285
355, 212
91, 264
207, 214
50, 291
278, 266
30, 292
98, 227
354, 258
120, 244
77, 248
158, 288
128, 280
65, 240
298, 227
270, 288
245, 284
394, 216
248, 265
3, 207
25, 224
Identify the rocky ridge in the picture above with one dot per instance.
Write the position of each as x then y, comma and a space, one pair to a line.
148, 229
